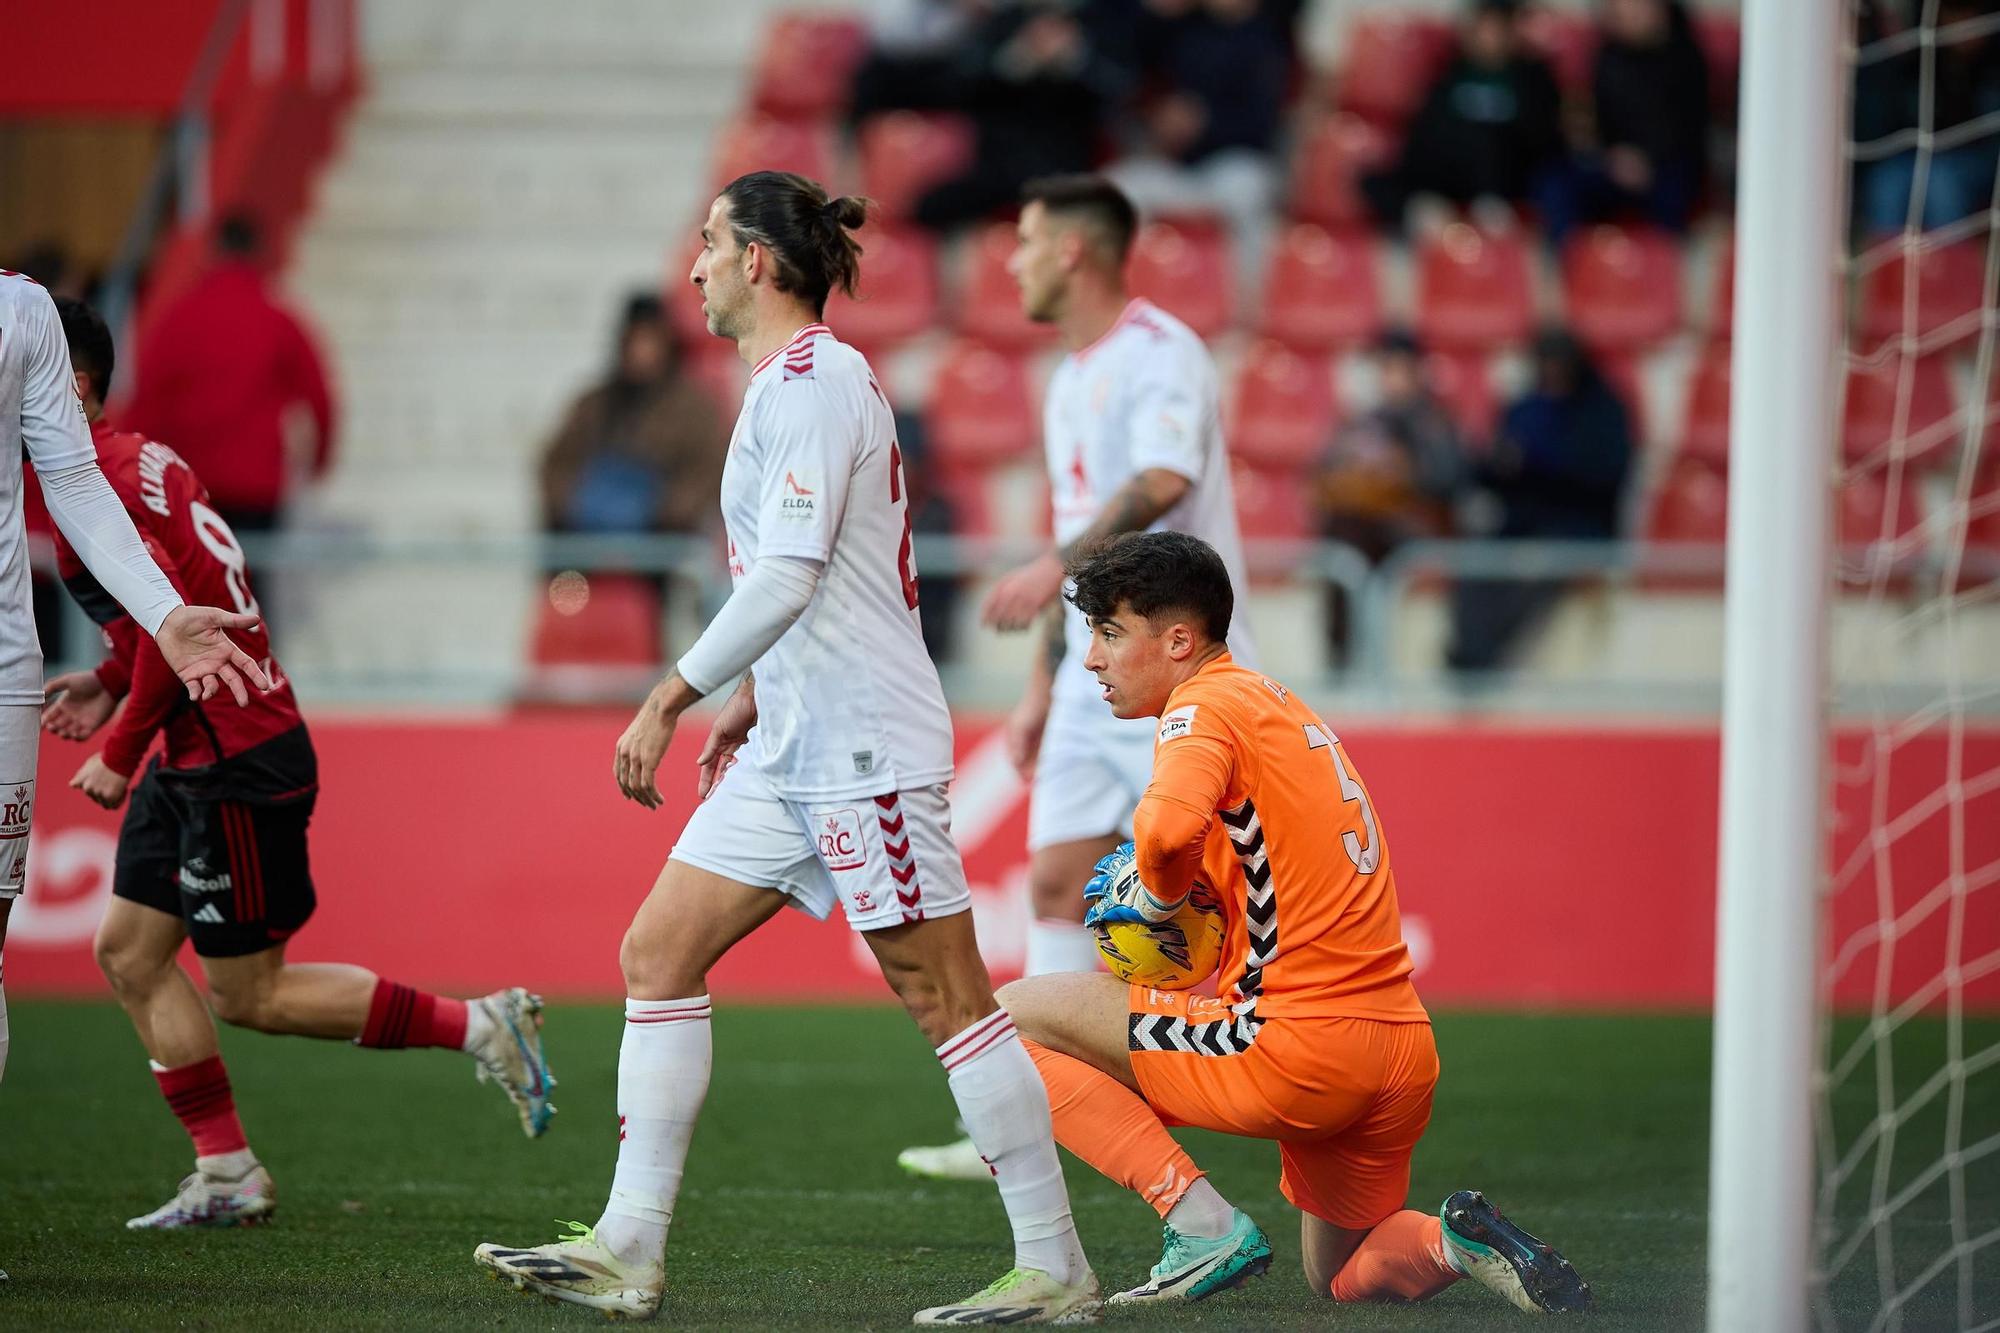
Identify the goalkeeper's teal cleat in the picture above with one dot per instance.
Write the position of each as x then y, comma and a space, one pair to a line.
580, 1270
1507, 1261
1192, 1267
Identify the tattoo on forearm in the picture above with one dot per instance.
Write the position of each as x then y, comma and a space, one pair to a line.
1054, 646
1135, 507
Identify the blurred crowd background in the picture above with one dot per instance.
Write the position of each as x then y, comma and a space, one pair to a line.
407, 285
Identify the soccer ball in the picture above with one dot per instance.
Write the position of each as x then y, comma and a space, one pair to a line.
1175, 954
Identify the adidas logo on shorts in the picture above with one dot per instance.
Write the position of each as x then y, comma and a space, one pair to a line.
208, 915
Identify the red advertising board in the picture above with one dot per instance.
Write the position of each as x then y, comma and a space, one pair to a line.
1544, 866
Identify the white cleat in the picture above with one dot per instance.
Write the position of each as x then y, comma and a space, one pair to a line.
511, 1055
948, 1161
581, 1271
1024, 1296
206, 1202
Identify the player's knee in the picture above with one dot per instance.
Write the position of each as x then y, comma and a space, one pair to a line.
657, 967
241, 1003
1056, 896
125, 965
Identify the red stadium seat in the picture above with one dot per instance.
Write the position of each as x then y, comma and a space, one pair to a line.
766, 143
1272, 504
1463, 381
1705, 424
1950, 285
1390, 62
1721, 38
989, 309
1322, 290
905, 153
1690, 505
898, 293
1183, 267
1622, 287
1567, 40
602, 620
1930, 424
970, 492
1473, 290
980, 410
1284, 409
807, 64
1327, 169
1872, 536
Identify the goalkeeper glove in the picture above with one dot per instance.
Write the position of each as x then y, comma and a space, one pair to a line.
1103, 909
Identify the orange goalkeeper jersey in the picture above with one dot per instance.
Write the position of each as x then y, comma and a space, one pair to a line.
1249, 779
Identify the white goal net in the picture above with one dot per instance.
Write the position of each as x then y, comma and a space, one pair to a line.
1906, 1223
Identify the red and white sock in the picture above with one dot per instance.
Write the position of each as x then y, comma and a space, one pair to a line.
201, 1099
402, 1016
663, 1067
1005, 1109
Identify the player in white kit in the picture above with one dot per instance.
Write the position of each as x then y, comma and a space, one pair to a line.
1132, 430
41, 415
822, 782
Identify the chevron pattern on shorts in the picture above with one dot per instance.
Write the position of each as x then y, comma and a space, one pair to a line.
1163, 1032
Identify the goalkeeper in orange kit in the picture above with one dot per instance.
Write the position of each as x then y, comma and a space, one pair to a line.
1318, 1040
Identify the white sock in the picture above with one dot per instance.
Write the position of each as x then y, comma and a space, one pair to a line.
478, 1025
1202, 1212
1059, 946
3, 1021
1006, 1111
663, 1067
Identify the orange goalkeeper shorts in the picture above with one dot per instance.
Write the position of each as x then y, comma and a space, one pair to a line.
1346, 1099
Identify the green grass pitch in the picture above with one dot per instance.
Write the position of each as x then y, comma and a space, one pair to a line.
391, 1166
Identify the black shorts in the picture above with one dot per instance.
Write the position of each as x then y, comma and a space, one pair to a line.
230, 863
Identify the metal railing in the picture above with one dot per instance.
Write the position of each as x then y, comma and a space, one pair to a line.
320, 586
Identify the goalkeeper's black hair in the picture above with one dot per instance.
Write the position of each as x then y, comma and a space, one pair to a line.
808, 234
90, 347
1155, 574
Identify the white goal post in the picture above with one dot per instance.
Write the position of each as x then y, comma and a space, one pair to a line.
1790, 223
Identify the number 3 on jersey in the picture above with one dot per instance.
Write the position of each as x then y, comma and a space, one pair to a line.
222, 544
906, 555
1362, 852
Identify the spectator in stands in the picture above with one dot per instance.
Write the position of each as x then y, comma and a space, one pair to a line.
1037, 77
1557, 470
1888, 100
230, 379
640, 451
1641, 145
931, 515
1488, 127
1392, 473
1209, 134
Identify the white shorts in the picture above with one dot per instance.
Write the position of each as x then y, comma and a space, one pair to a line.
1091, 772
887, 860
20, 741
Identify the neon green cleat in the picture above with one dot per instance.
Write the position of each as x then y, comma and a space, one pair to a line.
580, 1270
1024, 1296
1192, 1267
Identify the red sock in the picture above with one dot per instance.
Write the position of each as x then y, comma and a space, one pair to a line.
199, 1095
402, 1016
1402, 1259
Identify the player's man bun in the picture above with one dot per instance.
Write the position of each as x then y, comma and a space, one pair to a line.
807, 233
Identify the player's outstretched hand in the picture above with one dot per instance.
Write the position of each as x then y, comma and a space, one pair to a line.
96, 780
77, 705
636, 764
1024, 594
195, 643
725, 738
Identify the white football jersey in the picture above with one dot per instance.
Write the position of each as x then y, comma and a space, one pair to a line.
39, 411
848, 702
1144, 395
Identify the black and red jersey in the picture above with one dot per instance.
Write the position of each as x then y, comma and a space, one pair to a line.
196, 551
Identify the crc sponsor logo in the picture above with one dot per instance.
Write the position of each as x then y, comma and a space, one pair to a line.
839, 836
19, 810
